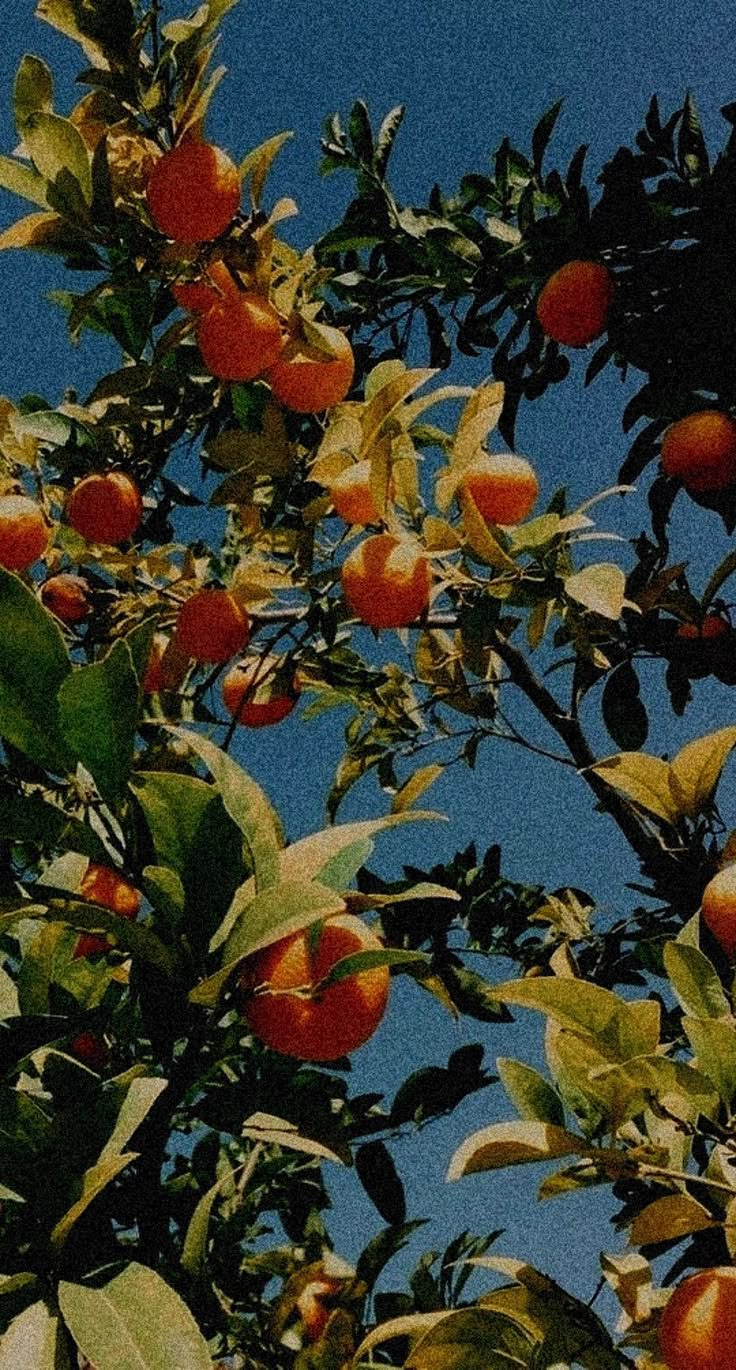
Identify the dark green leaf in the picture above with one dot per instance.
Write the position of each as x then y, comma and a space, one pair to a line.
33, 665
98, 707
378, 1176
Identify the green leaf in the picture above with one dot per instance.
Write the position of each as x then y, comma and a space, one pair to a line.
194, 837
696, 770
695, 982
668, 1219
623, 712
377, 1173
530, 1093
194, 1249
370, 960
94, 1180
580, 1006
518, 1143
257, 165
382, 1248
386, 137
34, 1341
33, 665
98, 708
642, 778
26, 818
22, 180
279, 911
33, 90
139, 1098
132, 937
246, 804
9, 1005
135, 1322
59, 153
413, 788
359, 127
543, 133
714, 1042
265, 1127
473, 1339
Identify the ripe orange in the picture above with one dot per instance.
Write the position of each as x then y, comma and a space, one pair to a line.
239, 336
313, 1312
153, 676
24, 533
320, 1028
712, 627
386, 581
215, 284
211, 626
351, 496
91, 1050
105, 887
193, 192
573, 306
697, 1330
718, 908
700, 450
105, 508
306, 380
66, 596
255, 695
504, 487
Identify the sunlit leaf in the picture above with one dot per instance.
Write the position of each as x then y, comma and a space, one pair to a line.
675, 1215
35, 1341
600, 588
696, 769
645, 779
517, 1143
135, 1322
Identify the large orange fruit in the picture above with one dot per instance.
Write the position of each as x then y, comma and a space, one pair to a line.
351, 495
386, 581
105, 507
697, 1330
503, 486
212, 626
67, 597
193, 192
239, 336
215, 284
700, 450
324, 1027
24, 533
573, 306
306, 379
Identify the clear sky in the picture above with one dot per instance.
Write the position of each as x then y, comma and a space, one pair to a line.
470, 73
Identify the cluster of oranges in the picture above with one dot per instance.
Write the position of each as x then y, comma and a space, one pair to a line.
277, 988
193, 194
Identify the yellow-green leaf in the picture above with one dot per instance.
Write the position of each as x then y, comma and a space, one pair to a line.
265, 1127
518, 1143
600, 588
58, 150
483, 542
407, 796
695, 981
33, 90
714, 1042
696, 769
676, 1215
385, 403
95, 1180
22, 180
256, 166
43, 232
478, 419
34, 1341
644, 779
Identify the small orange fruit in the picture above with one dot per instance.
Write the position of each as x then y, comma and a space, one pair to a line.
712, 627
24, 534
215, 284
323, 1027
67, 597
212, 626
386, 581
503, 486
306, 379
700, 450
312, 1310
351, 495
91, 1050
105, 508
257, 694
718, 908
573, 306
193, 192
697, 1330
239, 337
105, 887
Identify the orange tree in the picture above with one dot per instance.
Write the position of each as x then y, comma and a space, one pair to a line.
176, 978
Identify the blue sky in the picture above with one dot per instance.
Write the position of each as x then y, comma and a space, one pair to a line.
470, 72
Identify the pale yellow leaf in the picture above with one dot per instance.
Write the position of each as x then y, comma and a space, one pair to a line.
696, 769
644, 779
600, 588
478, 419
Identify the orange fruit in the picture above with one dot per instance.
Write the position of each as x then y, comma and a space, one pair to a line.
712, 627
215, 284
503, 486
66, 596
105, 887
386, 581
313, 1312
351, 496
718, 908
24, 533
700, 450
91, 1050
105, 508
153, 676
239, 337
255, 695
324, 1027
193, 192
212, 626
697, 1330
573, 306
306, 379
